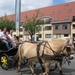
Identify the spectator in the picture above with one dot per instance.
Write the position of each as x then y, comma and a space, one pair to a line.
5, 38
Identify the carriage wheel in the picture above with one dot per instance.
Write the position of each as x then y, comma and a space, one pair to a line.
4, 61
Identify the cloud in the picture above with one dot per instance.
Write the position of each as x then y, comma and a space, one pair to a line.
69, 0
8, 6
28, 4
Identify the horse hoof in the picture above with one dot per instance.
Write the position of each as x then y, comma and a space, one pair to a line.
61, 72
19, 73
51, 69
41, 74
33, 74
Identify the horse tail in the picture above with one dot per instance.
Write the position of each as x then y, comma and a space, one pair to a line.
18, 54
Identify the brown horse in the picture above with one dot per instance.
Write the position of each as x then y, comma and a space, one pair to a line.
67, 59
52, 48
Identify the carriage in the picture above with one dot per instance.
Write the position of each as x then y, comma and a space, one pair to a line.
6, 57
7, 60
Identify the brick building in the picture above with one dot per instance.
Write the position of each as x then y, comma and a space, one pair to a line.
59, 21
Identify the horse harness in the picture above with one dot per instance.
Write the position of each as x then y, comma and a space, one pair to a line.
56, 57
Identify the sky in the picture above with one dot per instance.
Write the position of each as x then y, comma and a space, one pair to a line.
8, 6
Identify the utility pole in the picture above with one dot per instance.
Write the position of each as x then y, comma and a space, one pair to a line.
17, 16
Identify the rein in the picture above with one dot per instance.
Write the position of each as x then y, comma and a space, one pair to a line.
56, 56
55, 53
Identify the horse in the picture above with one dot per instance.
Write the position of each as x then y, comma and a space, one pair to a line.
67, 60
52, 48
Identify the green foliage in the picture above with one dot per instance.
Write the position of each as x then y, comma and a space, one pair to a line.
32, 25
4, 22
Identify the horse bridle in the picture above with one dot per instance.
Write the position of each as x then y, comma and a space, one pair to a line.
68, 47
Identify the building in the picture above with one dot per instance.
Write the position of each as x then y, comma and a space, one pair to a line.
59, 21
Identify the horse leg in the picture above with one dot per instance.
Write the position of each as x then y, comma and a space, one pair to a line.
19, 66
15, 64
56, 65
47, 67
32, 70
60, 68
34, 65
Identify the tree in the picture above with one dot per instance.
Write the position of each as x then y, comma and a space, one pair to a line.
4, 22
33, 24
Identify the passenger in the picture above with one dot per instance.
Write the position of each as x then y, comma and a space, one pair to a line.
5, 38
11, 36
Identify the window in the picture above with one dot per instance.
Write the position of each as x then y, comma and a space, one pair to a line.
66, 4
48, 35
39, 35
56, 19
69, 10
48, 28
52, 13
42, 21
21, 23
27, 38
41, 14
74, 35
47, 21
59, 12
21, 29
64, 27
57, 27
21, 36
73, 26
65, 35
26, 29
58, 36
66, 18
73, 18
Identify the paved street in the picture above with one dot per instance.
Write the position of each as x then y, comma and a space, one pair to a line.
68, 70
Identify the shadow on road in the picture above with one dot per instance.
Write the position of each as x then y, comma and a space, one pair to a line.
38, 70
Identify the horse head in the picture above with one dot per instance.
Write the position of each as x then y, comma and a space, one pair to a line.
70, 48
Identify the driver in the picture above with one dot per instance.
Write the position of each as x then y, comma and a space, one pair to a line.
5, 38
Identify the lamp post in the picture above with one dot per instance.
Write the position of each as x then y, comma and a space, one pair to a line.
17, 16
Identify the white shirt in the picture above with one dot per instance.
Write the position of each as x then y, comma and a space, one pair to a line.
11, 37
3, 35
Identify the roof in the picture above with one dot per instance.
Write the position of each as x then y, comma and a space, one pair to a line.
60, 12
